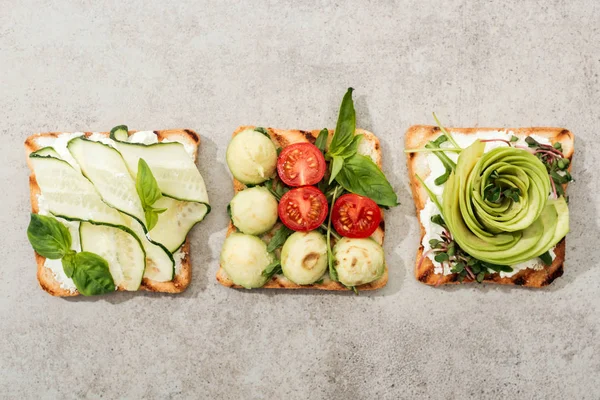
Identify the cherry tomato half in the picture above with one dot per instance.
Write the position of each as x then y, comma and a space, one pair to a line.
355, 216
303, 209
301, 164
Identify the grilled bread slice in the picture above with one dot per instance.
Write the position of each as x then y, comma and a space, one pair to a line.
416, 137
369, 146
46, 277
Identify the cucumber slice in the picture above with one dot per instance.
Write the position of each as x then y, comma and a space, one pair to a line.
47, 152
175, 172
160, 265
175, 223
254, 210
105, 168
69, 194
123, 251
119, 133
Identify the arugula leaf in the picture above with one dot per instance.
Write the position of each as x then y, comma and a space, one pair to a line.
272, 269
48, 237
149, 192
362, 176
91, 274
321, 141
345, 127
262, 130
332, 271
279, 238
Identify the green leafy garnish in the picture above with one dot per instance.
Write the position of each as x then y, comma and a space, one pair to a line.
272, 269
262, 130
321, 141
449, 165
149, 193
362, 176
51, 239
546, 258
555, 162
332, 271
279, 238
48, 237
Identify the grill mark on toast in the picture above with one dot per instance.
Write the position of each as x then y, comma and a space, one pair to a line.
557, 273
309, 136
520, 281
193, 134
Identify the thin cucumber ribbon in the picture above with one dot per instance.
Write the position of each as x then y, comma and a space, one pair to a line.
505, 232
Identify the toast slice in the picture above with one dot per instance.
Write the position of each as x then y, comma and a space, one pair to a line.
369, 146
46, 277
416, 137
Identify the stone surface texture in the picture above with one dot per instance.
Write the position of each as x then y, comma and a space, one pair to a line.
211, 66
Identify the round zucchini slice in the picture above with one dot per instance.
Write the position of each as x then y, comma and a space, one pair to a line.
244, 258
254, 210
304, 257
251, 157
358, 261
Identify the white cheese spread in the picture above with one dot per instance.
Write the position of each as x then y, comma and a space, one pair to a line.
60, 145
143, 137
433, 231
98, 137
178, 256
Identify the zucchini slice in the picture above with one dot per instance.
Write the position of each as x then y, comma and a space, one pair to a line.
107, 171
160, 265
119, 133
174, 170
69, 194
175, 223
122, 250
47, 152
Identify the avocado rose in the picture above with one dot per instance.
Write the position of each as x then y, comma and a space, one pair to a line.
497, 208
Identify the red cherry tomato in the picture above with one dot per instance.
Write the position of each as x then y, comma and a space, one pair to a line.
303, 209
355, 216
301, 164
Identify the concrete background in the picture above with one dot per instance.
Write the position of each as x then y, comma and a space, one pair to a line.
210, 66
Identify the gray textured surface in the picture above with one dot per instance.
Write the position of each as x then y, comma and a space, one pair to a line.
210, 67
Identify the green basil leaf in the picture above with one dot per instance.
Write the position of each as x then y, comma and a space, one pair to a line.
279, 238
48, 237
91, 274
336, 166
346, 125
272, 269
321, 141
146, 185
151, 219
68, 263
362, 176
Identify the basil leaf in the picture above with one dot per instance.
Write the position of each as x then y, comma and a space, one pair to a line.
336, 166
146, 185
151, 219
48, 237
362, 176
91, 275
279, 238
321, 141
68, 263
272, 269
346, 125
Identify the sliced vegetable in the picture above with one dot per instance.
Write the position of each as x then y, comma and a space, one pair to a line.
304, 257
175, 223
355, 216
105, 168
254, 210
119, 133
301, 164
68, 194
303, 209
244, 258
251, 157
122, 251
358, 261
175, 172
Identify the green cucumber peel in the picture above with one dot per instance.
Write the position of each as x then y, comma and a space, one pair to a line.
119, 133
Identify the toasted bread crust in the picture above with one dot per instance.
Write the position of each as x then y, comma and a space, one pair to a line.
45, 276
416, 137
369, 145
